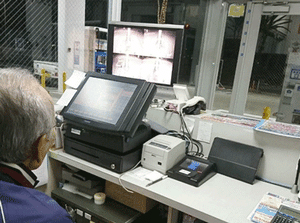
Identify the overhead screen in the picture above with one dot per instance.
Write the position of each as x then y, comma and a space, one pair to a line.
145, 51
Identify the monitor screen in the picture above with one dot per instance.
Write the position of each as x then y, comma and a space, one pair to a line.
145, 51
105, 104
110, 103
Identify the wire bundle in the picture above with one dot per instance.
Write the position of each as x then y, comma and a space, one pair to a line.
186, 135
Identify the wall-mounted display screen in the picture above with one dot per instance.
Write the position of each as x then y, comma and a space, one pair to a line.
145, 51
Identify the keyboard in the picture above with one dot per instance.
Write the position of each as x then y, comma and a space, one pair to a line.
286, 215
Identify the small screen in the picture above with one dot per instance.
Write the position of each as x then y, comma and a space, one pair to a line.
144, 53
194, 165
290, 212
102, 100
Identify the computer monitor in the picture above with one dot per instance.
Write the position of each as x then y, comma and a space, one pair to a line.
110, 104
145, 51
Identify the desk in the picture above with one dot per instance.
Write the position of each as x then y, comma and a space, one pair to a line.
281, 153
220, 199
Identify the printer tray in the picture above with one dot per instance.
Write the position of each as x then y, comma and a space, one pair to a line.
109, 160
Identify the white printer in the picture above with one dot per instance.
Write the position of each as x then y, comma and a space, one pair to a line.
162, 152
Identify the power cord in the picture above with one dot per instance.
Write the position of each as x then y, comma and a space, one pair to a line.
194, 142
186, 135
125, 188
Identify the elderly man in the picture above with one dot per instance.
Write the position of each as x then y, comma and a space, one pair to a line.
26, 134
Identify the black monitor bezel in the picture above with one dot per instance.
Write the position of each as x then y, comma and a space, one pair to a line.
131, 116
179, 29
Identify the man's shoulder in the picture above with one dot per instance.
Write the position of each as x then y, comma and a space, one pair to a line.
34, 205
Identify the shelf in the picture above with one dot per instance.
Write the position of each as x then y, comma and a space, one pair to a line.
110, 211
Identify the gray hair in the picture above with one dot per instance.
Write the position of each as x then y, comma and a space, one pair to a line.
24, 115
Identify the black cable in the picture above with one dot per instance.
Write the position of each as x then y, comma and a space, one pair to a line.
198, 145
186, 135
297, 173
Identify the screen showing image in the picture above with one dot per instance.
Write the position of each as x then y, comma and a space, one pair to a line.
144, 53
102, 100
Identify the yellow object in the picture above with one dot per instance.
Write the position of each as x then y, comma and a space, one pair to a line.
236, 10
267, 113
64, 80
44, 74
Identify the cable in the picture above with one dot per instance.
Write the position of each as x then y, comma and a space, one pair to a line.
186, 135
194, 142
129, 191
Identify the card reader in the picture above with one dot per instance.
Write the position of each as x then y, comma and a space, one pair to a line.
162, 152
192, 170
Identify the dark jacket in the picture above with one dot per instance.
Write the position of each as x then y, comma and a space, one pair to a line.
23, 204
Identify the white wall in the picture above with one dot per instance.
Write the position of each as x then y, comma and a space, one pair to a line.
71, 24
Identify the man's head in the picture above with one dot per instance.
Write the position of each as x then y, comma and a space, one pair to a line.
26, 119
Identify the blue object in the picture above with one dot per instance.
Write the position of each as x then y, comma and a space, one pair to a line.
22, 204
100, 62
194, 165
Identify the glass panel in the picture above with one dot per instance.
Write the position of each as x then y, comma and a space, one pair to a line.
28, 31
190, 13
231, 45
96, 13
276, 36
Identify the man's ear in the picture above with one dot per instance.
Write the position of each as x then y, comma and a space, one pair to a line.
39, 151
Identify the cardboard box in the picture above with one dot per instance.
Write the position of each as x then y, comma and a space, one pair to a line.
136, 201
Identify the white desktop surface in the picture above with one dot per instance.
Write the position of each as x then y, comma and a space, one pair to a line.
220, 199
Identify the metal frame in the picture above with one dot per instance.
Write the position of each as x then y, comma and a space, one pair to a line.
248, 46
210, 53
245, 59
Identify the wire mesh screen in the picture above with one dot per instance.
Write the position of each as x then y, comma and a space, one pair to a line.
276, 36
96, 13
271, 54
29, 33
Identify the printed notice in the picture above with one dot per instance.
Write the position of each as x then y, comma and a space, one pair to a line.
204, 131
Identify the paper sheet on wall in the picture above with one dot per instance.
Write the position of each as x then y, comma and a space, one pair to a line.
75, 80
42, 173
66, 97
204, 131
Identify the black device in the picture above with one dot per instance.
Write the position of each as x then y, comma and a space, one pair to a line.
147, 51
118, 144
236, 160
192, 170
101, 156
194, 109
286, 215
110, 104
104, 120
